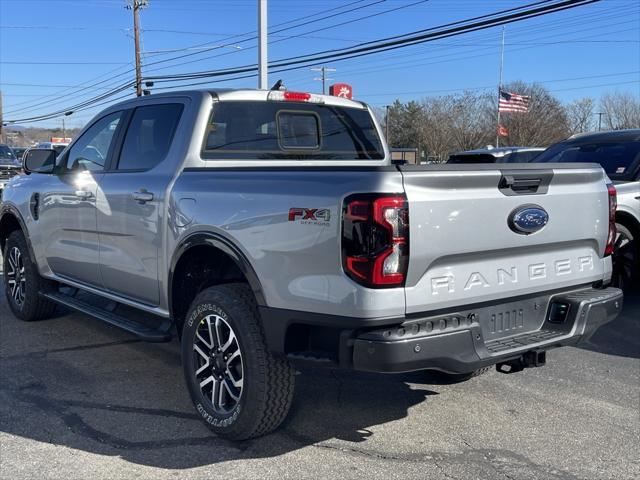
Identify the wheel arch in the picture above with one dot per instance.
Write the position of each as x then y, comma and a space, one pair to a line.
218, 248
10, 221
629, 221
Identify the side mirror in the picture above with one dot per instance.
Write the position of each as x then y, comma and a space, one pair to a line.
39, 160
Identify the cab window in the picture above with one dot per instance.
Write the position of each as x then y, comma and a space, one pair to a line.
91, 150
149, 136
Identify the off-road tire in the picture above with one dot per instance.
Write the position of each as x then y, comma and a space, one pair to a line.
626, 258
268, 379
32, 305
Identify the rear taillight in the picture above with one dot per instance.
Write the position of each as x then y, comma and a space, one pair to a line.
375, 239
613, 206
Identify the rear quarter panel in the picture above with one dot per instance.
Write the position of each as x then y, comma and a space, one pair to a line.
297, 262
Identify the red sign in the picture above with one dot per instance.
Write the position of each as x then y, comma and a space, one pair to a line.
502, 131
343, 90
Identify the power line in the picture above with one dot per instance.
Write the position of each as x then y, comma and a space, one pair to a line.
399, 41
86, 86
32, 102
485, 87
385, 45
178, 57
385, 60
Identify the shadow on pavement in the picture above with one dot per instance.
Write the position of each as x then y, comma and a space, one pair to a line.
110, 394
81, 384
622, 336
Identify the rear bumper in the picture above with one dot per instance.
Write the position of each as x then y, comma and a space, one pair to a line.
469, 343
454, 341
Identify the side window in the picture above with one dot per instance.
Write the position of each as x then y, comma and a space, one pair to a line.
149, 136
91, 150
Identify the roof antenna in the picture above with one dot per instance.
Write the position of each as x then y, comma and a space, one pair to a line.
279, 85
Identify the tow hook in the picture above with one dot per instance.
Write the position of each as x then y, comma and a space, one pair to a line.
528, 360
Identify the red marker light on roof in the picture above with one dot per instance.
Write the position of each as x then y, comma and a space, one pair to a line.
297, 96
294, 97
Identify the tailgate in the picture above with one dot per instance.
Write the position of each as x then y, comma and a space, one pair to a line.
468, 244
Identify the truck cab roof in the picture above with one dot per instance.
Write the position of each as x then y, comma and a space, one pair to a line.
247, 94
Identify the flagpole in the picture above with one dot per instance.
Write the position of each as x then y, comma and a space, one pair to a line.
500, 88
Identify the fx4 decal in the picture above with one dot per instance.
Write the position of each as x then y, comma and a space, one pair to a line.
315, 216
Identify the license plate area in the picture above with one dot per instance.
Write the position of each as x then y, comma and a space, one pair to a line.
509, 319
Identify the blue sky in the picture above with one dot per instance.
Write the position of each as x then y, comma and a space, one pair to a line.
53, 52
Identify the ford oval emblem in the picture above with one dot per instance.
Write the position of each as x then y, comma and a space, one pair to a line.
528, 219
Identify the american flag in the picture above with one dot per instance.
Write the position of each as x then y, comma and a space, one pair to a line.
512, 102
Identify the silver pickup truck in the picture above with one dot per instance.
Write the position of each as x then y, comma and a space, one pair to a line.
267, 228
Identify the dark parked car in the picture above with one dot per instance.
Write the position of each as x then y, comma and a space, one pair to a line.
496, 155
10, 165
19, 152
619, 154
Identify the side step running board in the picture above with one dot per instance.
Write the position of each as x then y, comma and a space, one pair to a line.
145, 333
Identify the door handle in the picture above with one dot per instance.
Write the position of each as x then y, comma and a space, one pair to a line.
142, 196
83, 194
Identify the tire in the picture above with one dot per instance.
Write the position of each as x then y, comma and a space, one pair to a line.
254, 388
626, 258
23, 283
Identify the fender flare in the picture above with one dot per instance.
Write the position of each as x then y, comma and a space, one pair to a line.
10, 210
217, 241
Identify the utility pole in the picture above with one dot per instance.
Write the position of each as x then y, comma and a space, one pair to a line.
263, 74
600, 120
64, 130
136, 5
323, 78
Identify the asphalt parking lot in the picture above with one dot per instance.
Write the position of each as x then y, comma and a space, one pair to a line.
80, 399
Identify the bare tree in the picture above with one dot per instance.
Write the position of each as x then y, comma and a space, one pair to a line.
580, 115
439, 126
621, 110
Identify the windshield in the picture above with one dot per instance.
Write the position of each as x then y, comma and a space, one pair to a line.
7, 157
290, 131
617, 158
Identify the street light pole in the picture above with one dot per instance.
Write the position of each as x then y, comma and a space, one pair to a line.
263, 77
386, 125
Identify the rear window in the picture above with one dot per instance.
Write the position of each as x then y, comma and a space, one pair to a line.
617, 159
290, 131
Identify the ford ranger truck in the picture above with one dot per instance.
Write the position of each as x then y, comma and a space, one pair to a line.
266, 228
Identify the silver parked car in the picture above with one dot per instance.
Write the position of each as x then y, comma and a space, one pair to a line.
618, 152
